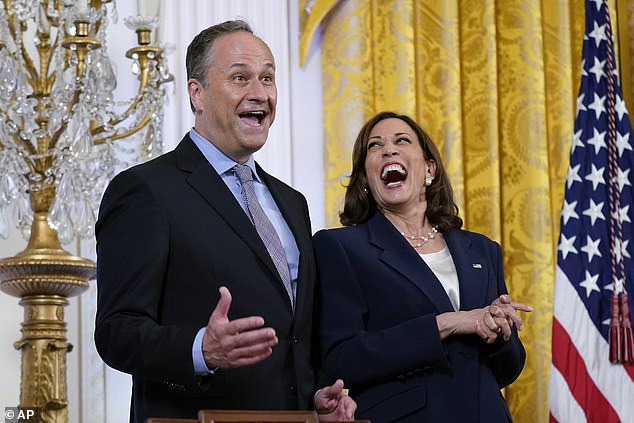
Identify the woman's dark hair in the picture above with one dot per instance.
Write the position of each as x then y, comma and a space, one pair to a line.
359, 204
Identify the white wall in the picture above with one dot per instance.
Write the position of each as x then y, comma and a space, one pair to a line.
294, 153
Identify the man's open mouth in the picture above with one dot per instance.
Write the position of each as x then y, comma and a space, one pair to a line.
253, 117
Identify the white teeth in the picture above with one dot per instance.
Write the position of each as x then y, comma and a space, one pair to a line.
395, 166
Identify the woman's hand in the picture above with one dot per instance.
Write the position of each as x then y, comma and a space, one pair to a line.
488, 322
459, 322
503, 315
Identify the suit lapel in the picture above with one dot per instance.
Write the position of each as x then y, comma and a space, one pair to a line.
472, 269
400, 256
206, 182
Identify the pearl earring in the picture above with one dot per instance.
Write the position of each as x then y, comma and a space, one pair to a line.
428, 181
365, 190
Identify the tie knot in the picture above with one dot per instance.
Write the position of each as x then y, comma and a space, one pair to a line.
243, 172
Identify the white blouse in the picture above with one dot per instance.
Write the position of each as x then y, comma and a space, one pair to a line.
444, 268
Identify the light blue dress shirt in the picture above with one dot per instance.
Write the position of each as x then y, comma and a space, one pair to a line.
223, 166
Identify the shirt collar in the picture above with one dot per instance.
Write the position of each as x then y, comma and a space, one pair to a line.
219, 160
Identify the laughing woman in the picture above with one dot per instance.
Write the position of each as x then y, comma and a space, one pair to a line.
414, 312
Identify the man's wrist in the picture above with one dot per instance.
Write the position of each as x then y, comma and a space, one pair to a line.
321, 411
198, 358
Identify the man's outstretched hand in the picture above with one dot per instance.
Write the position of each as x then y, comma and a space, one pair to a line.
235, 343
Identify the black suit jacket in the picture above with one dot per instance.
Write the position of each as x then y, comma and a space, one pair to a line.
378, 307
169, 234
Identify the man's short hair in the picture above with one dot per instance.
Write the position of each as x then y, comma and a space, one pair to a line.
198, 57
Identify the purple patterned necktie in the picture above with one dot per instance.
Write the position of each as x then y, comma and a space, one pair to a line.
264, 227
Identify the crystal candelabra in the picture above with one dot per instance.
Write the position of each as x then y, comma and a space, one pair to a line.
60, 132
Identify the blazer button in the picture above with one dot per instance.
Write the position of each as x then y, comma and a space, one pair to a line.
295, 341
293, 389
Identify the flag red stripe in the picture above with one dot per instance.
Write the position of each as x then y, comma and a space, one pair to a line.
551, 419
571, 365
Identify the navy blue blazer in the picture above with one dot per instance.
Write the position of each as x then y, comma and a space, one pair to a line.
377, 305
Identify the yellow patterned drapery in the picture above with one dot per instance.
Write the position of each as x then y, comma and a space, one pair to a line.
494, 82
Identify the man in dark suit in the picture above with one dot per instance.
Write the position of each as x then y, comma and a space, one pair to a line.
201, 307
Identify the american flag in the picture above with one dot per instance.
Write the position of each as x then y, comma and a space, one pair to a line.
591, 379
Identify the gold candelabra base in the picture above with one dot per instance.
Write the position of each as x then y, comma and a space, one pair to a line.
43, 276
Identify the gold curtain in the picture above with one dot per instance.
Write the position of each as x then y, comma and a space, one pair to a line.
494, 82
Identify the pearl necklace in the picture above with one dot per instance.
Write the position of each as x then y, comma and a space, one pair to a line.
423, 239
